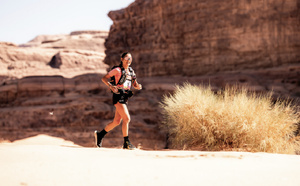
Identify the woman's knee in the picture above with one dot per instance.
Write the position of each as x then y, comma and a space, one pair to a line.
117, 121
126, 119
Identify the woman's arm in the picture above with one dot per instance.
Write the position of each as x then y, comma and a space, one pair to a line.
105, 80
136, 85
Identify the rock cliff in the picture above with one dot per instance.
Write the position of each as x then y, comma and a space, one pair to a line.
191, 37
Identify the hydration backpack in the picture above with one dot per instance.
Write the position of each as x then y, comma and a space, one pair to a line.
123, 76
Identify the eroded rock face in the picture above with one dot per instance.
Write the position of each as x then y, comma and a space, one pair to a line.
74, 54
190, 37
72, 108
82, 40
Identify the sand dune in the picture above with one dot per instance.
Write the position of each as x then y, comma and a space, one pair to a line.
45, 160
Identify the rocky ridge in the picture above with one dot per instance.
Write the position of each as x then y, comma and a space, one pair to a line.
81, 52
190, 37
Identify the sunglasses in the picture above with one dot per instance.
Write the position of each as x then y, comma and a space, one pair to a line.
128, 58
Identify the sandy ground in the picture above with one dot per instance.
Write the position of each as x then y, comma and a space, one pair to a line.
44, 160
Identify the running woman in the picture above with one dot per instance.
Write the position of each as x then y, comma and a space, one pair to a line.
124, 77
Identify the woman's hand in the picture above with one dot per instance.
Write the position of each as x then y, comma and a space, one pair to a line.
138, 86
114, 89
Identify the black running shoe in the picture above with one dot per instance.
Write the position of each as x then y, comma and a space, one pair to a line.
98, 138
128, 145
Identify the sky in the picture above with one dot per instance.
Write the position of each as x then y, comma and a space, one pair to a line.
23, 20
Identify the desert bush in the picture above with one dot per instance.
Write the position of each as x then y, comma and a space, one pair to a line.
233, 119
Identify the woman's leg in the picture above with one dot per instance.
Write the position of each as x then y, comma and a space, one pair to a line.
120, 114
124, 114
117, 120
100, 135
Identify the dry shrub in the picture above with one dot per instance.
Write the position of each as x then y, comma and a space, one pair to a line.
233, 119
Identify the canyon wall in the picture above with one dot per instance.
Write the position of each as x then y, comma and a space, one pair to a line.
192, 37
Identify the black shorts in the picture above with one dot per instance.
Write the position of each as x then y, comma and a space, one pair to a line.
122, 97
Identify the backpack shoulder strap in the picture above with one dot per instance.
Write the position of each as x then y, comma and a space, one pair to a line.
130, 69
132, 74
123, 76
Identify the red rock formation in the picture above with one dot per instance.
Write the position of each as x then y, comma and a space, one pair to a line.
80, 40
82, 104
80, 52
190, 37
73, 109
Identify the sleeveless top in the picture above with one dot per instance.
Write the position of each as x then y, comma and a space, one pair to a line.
118, 73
